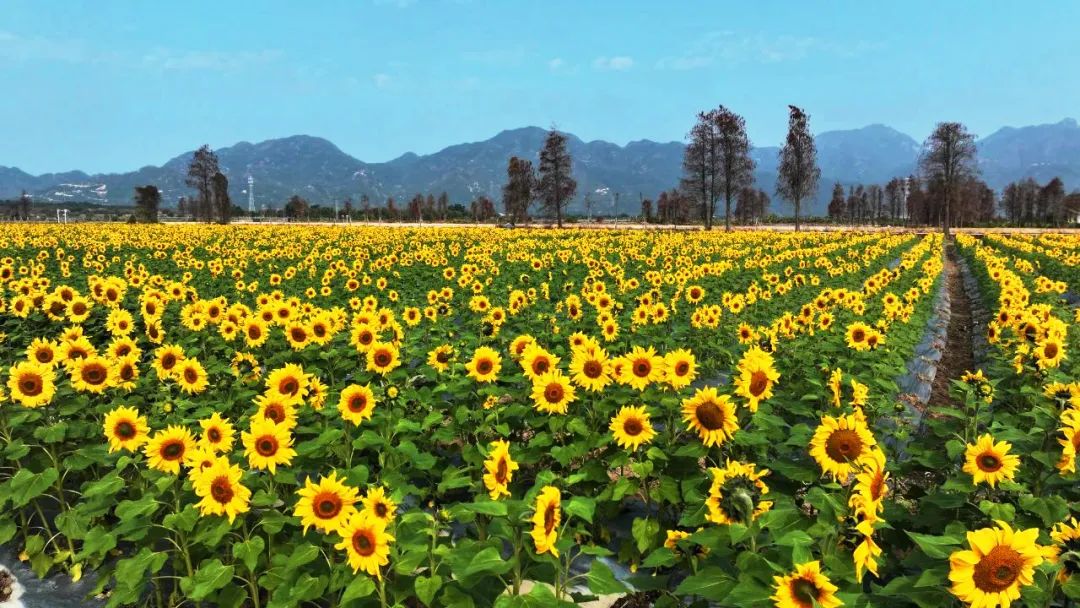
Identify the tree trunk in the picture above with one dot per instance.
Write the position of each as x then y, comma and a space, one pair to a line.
797, 204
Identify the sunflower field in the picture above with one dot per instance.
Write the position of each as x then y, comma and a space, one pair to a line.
274, 416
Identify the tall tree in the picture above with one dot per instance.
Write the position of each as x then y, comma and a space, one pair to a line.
482, 209
442, 205
556, 185
836, 203
200, 174
736, 168
24, 205
701, 166
517, 194
365, 206
147, 203
296, 207
646, 210
219, 192
1051, 197
798, 171
948, 156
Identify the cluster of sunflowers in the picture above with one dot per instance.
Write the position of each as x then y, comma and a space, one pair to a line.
522, 418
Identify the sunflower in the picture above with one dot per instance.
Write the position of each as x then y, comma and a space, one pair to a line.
167, 449
31, 384
1066, 536
288, 384
191, 376
990, 462
275, 410
366, 542
217, 433
327, 505
499, 470
357, 403
485, 365
866, 553
590, 369
379, 505
643, 366
1070, 445
383, 358
757, 376
440, 357
198, 460
857, 333
221, 491
1050, 353
711, 415
126, 372
255, 332
552, 393
267, 445
736, 493
245, 367
536, 361
317, 392
806, 587
631, 427
840, 444
836, 379
43, 352
680, 368
166, 359
999, 562
125, 429
92, 374
546, 520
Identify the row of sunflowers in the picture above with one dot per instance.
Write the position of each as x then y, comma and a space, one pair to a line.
287, 416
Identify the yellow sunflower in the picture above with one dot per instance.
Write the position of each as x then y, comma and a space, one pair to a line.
43, 352
31, 384
499, 470
589, 369
357, 403
806, 587
631, 427
999, 562
167, 449
546, 520
191, 376
166, 358
379, 505
536, 361
327, 505
92, 374
485, 365
642, 367
736, 493
840, 444
217, 433
267, 445
868, 497
366, 542
857, 334
757, 376
275, 410
220, 489
1050, 353
710, 415
1070, 445
125, 429
440, 357
288, 384
680, 367
383, 358
552, 393
989, 461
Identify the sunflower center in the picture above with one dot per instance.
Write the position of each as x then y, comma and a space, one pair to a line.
709, 415
989, 463
805, 592
997, 570
362, 543
442, 356
593, 369
501, 470
94, 374
483, 366
214, 435
540, 366
172, 450
168, 361
844, 445
288, 386
191, 375
554, 392
43, 356
1050, 351
759, 381
642, 368
549, 518
380, 509
266, 446
382, 358
30, 386
275, 412
858, 335
328, 506
124, 430
633, 427
221, 489
298, 335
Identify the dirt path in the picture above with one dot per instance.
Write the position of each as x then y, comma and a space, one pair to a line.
957, 356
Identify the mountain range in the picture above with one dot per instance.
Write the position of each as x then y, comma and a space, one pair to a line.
318, 170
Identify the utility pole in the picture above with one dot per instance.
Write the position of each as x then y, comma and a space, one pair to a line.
615, 208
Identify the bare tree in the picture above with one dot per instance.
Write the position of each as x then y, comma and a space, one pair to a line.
147, 202
219, 192
556, 185
517, 194
948, 156
798, 172
736, 168
701, 166
200, 174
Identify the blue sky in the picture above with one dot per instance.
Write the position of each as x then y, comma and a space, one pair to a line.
110, 86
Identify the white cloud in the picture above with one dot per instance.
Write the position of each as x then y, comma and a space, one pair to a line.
619, 62
729, 48
556, 63
381, 80
168, 59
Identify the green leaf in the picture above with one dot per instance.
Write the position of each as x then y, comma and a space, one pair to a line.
602, 580
249, 551
581, 507
487, 561
644, 532
98, 541
711, 583
301, 555
426, 588
936, 547
210, 576
361, 586
26, 485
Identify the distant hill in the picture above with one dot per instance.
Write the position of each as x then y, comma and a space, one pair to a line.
318, 170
